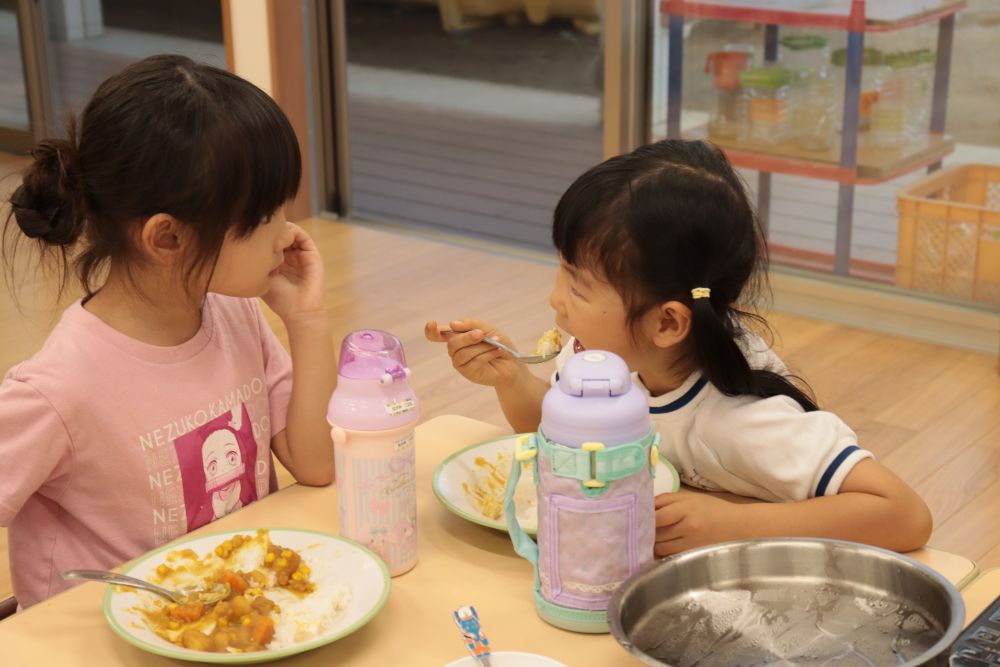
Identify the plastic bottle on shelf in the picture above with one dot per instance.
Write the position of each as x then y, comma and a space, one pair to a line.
727, 119
901, 114
813, 115
804, 53
811, 94
873, 73
919, 121
766, 96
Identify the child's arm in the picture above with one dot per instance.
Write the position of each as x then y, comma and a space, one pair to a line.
521, 400
35, 448
296, 296
519, 391
872, 506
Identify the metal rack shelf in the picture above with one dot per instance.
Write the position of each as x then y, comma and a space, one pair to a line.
849, 164
883, 16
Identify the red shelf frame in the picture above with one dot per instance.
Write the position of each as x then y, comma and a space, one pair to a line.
855, 21
777, 164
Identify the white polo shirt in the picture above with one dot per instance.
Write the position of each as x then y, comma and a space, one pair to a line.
766, 448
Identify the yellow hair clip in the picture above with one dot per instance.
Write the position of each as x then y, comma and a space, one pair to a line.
701, 293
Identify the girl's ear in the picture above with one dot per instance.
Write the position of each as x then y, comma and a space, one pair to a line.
162, 239
669, 324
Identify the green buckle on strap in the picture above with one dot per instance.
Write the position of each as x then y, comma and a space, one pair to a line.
594, 464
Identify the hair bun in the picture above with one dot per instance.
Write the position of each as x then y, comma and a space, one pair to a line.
46, 204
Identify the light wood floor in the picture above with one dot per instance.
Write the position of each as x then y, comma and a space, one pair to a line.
930, 413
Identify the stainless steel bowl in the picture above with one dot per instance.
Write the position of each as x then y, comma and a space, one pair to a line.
787, 602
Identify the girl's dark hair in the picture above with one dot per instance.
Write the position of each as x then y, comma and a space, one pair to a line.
164, 135
667, 218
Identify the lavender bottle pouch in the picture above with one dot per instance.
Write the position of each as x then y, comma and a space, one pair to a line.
594, 458
589, 545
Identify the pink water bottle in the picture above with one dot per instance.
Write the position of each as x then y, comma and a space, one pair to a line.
372, 414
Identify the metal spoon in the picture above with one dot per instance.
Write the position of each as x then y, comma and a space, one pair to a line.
523, 358
185, 595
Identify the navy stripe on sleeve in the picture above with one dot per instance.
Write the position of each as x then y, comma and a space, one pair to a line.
824, 481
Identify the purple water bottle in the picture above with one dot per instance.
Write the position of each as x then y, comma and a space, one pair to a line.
372, 414
594, 457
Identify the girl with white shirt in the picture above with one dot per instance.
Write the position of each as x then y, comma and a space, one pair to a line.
661, 258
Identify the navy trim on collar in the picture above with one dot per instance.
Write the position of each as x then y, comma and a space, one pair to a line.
824, 481
682, 401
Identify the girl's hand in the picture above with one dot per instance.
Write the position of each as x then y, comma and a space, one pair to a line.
686, 519
297, 290
477, 361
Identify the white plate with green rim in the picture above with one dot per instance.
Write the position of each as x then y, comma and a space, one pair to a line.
456, 479
334, 562
509, 659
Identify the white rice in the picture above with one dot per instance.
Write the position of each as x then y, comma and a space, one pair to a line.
305, 618
301, 617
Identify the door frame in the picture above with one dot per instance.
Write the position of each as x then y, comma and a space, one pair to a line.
34, 69
627, 39
330, 105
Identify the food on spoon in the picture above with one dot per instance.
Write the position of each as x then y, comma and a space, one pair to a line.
275, 599
549, 343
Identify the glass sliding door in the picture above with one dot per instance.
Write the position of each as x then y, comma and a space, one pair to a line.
472, 118
56, 52
88, 40
15, 111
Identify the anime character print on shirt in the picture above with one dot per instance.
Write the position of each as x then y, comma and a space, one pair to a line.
217, 466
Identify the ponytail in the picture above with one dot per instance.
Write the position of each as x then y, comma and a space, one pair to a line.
723, 363
48, 206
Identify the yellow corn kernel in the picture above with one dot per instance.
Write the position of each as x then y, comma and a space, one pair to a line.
269, 558
305, 570
286, 554
171, 606
218, 551
228, 545
255, 592
161, 570
297, 576
174, 625
246, 620
281, 562
223, 622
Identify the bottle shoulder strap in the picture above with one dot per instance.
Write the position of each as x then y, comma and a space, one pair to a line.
525, 450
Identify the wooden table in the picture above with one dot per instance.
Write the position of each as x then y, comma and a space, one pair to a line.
980, 593
460, 563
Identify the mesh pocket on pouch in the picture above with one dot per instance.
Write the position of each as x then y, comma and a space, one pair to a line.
597, 548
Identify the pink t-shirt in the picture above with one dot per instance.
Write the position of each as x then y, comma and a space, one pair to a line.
110, 446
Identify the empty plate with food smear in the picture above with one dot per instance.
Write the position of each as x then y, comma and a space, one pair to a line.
472, 481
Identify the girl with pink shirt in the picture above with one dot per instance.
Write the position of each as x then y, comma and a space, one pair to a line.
156, 403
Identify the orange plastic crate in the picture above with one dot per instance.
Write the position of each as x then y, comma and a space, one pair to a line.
949, 233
